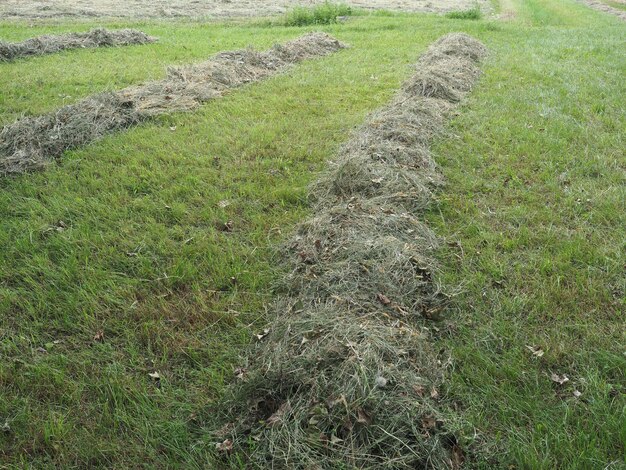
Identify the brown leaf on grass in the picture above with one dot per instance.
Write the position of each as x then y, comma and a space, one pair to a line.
278, 415
536, 350
383, 299
419, 390
429, 422
240, 372
457, 457
559, 379
223, 204
434, 394
260, 336
99, 336
341, 400
363, 417
155, 375
226, 446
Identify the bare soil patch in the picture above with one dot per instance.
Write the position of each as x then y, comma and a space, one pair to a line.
198, 8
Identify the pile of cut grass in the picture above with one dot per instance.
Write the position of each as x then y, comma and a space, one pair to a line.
346, 374
32, 143
50, 44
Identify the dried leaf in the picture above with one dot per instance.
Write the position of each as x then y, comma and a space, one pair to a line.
419, 390
278, 415
260, 336
429, 422
338, 401
434, 394
577, 394
457, 457
223, 203
335, 440
363, 417
536, 350
226, 446
99, 336
240, 372
560, 379
383, 299
155, 375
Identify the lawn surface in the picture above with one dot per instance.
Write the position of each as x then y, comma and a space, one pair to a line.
115, 263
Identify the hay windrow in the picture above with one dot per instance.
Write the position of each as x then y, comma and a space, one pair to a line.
51, 44
31, 143
347, 376
601, 6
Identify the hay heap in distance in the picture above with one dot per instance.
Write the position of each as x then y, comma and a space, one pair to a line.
51, 44
31, 143
347, 375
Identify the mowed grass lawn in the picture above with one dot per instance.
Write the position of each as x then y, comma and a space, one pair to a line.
114, 263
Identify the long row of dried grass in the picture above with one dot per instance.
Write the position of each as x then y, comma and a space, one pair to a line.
50, 44
31, 143
347, 375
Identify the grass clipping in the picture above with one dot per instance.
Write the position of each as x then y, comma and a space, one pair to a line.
346, 375
31, 143
99, 37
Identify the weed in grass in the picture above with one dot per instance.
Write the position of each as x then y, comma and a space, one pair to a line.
327, 13
473, 13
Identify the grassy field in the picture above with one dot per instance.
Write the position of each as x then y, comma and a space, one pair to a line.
115, 263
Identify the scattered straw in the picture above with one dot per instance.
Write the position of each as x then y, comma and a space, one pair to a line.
51, 44
31, 143
601, 6
347, 376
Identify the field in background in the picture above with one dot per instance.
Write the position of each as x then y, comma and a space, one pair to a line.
211, 9
120, 261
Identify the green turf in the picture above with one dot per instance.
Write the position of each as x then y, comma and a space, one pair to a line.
125, 237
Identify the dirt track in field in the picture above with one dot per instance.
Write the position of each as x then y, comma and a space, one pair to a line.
30, 9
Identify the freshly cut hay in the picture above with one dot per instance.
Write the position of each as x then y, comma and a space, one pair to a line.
51, 44
449, 78
347, 376
371, 274
359, 176
187, 87
454, 45
333, 390
30, 143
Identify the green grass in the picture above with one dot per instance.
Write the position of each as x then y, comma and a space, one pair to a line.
473, 13
618, 5
325, 13
533, 212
